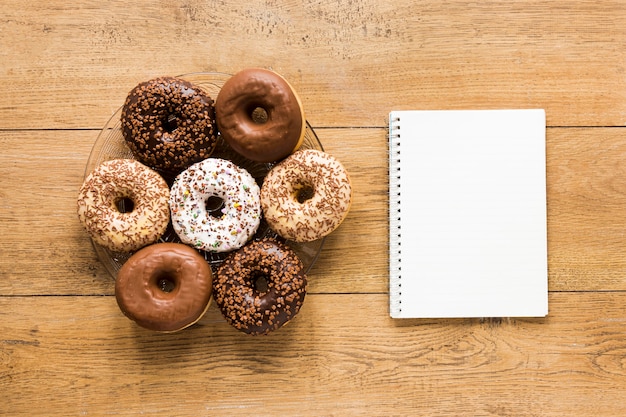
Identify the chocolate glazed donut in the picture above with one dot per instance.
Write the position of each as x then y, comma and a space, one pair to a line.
260, 115
169, 123
164, 287
260, 287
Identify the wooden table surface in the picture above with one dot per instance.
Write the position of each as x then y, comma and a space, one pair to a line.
66, 349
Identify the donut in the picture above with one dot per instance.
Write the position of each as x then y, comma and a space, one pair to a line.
259, 115
123, 205
215, 205
260, 287
164, 287
306, 196
169, 123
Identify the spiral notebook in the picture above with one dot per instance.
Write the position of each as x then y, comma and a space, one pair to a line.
467, 214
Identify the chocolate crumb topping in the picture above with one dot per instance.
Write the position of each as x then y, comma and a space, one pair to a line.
259, 311
169, 123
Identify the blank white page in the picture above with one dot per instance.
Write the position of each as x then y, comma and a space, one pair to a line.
472, 240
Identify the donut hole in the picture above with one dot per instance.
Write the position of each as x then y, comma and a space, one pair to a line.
125, 205
170, 123
260, 283
304, 192
166, 283
214, 206
258, 114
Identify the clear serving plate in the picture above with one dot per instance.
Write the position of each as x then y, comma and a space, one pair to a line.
110, 144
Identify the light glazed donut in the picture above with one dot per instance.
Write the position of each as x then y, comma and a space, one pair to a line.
164, 287
220, 183
260, 115
169, 123
145, 194
306, 196
259, 308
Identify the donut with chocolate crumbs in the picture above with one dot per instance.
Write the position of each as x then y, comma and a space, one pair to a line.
123, 205
169, 123
260, 115
164, 287
306, 196
260, 287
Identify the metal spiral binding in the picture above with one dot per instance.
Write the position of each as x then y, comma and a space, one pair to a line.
395, 286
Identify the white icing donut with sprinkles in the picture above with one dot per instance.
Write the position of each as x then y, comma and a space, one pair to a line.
215, 205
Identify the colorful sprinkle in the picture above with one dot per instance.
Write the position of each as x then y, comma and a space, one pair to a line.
241, 206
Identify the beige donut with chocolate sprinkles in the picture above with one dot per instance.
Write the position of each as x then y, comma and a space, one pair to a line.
169, 123
260, 287
306, 196
124, 205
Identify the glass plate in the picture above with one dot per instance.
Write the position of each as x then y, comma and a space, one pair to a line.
110, 144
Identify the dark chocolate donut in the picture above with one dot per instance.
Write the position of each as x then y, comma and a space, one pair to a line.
260, 287
169, 123
164, 287
260, 115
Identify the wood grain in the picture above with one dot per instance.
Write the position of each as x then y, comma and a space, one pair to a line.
65, 347
586, 177
586, 206
39, 215
341, 356
69, 65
